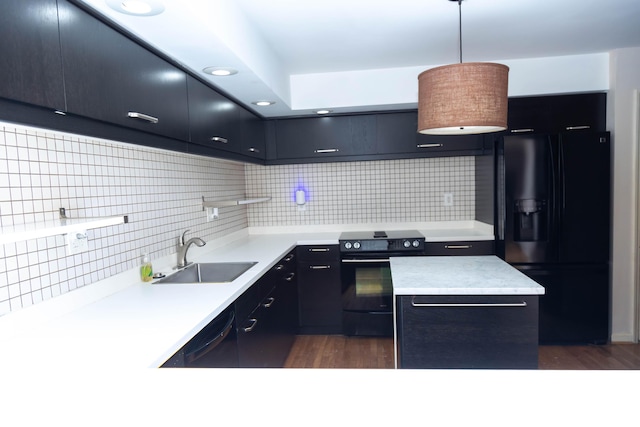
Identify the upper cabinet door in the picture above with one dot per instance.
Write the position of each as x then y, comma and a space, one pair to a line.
214, 120
325, 137
253, 136
557, 113
397, 133
30, 64
109, 77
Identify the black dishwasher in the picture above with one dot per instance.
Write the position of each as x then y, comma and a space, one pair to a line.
215, 346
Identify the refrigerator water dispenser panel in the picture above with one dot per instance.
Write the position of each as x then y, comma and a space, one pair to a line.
531, 219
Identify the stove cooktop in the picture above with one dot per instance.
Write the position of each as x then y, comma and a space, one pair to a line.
381, 241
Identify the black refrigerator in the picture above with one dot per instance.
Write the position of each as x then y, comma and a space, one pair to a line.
553, 215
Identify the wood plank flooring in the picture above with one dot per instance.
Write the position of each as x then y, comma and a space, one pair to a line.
337, 351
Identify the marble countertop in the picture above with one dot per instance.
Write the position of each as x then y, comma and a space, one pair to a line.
459, 275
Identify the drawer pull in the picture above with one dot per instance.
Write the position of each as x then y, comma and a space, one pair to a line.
522, 130
320, 267
279, 267
429, 145
515, 304
290, 277
219, 139
577, 127
289, 257
269, 302
358, 261
250, 328
458, 246
319, 250
141, 116
326, 150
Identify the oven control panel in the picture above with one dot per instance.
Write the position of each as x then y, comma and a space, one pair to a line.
383, 245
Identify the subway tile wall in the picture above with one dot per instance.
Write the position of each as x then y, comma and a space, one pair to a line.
363, 192
160, 191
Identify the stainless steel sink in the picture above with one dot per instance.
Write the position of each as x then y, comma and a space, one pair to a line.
209, 272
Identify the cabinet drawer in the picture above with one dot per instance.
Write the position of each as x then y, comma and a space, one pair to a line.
492, 332
318, 253
481, 247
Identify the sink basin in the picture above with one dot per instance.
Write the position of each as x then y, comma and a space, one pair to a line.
209, 272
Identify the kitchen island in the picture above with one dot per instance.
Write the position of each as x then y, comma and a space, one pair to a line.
464, 312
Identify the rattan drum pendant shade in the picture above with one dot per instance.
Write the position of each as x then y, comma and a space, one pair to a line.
463, 98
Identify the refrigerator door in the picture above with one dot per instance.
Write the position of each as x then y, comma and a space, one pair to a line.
528, 198
584, 197
575, 306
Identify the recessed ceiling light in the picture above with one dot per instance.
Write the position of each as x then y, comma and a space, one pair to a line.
220, 71
137, 7
263, 103
323, 111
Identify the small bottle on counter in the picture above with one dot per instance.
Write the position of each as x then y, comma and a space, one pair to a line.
146, 269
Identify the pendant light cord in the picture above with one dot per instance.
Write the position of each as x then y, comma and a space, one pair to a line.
460, 27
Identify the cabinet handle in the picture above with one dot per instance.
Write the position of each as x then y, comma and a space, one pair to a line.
429, 145
319, 250
269, 302
320, 267
219, 139
578, 127
279, 267
290, 277
458, 246
289, 257
522, 130
326, 150
254, 322
514, 304
253, 150
145, 117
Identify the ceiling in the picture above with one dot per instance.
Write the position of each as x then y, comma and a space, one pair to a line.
281, 47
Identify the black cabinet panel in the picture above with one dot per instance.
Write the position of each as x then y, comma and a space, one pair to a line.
319, 290
253, 135
108, 77
30, 60
482, 247
397, 133
445, 332
557, 113
325, 137
214, 120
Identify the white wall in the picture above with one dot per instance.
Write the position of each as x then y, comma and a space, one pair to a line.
625, 79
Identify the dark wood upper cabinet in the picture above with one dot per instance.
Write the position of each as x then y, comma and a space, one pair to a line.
322, 137
557, 113
109, 77
30, 63
214, 120
397, 133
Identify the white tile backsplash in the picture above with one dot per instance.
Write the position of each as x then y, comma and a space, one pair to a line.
363, 192
160, 191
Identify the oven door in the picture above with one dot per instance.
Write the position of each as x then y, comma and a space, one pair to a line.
367, 294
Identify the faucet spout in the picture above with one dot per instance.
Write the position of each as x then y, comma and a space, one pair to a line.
183, 247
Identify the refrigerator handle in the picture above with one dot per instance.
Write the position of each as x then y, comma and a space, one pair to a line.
553, 217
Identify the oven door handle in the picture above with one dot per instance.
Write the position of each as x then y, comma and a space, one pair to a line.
358, 261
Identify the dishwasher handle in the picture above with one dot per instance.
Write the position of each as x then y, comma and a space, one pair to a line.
209, 341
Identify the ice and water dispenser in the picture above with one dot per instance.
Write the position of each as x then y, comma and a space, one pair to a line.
530, 220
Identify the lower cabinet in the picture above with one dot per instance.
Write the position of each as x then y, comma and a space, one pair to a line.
320, 293
466, 331
267, 317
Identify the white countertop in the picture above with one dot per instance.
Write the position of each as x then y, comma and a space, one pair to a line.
459, 275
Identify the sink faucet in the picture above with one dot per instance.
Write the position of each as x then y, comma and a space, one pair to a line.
184, 247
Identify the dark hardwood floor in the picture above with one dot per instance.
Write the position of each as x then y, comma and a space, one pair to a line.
337, 351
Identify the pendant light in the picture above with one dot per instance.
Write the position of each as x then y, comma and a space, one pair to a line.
464, 98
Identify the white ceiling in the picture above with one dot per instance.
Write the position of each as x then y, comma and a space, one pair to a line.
275, 44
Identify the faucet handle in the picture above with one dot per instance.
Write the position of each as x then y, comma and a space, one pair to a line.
182, 237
